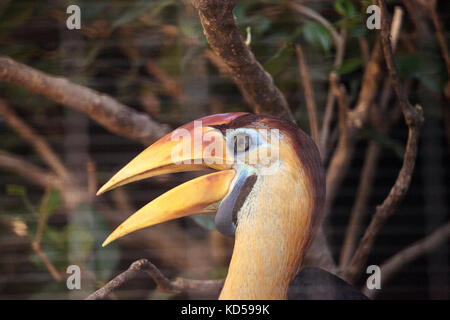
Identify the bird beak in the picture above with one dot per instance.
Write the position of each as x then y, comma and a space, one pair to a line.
201, 147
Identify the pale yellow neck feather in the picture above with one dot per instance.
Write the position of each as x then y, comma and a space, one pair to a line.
273, 232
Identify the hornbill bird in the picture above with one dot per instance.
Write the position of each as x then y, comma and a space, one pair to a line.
267, 191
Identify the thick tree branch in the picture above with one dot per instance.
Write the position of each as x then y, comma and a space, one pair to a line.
108, 112
224, 37
412, 252
414, 119
180, 285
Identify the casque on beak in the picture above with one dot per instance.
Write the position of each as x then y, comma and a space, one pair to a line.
173, 153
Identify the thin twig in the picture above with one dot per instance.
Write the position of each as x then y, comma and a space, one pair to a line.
43, 214
107, 111
369, 87
412, 252
39, 144
48, 265
310, 13
48, 181
396, 25
180, 285
66, 182
339, 43
169, 84
430, 6
368, 173
357, 117
329, 106
341, 158
20, 228
360, 205
92, 178
343, 103
36, 243
309, 94
345, 146
29, 171
414, 119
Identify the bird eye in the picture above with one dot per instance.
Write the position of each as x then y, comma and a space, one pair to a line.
241, 143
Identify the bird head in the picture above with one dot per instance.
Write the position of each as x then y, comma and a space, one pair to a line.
268, 179
242, 147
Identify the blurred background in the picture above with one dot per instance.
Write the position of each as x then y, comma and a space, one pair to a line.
152, 56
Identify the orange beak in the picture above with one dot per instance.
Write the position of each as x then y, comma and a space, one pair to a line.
195, 146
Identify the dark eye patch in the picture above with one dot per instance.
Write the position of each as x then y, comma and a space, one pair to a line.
243, 194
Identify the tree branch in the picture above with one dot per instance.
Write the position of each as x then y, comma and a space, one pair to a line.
329, 106
339, 43
345, 146
32, 173
358, 116
180, 285
21, 229
371, 157
360, 205
414, 119
36, 246
412, 252
39, 144
224, 37
309, 95
317, 17
430, 6
108, 112
170, 85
